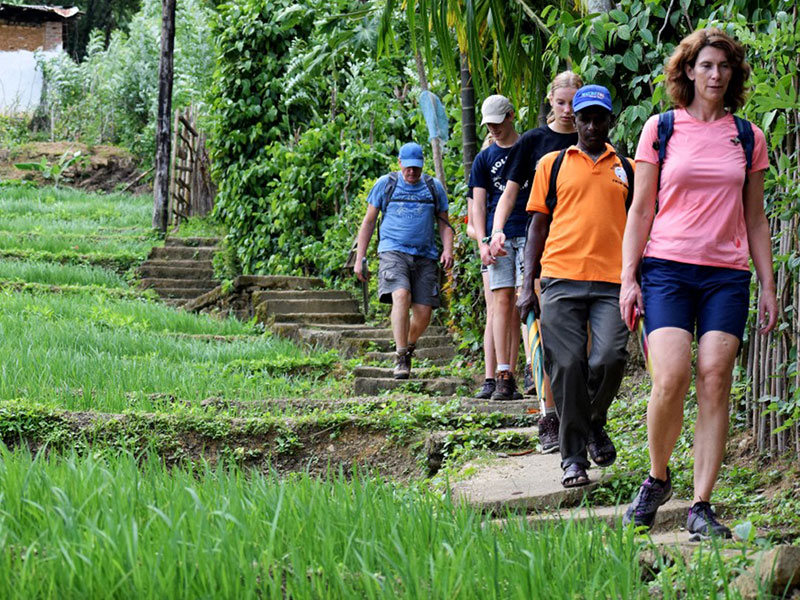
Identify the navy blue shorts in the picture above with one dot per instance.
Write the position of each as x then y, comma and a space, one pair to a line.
694, 297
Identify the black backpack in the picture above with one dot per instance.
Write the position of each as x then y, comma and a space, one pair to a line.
551, 199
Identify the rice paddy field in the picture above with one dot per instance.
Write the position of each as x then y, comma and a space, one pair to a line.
132, 461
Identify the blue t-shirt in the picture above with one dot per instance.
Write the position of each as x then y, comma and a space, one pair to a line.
408, 225
487, 173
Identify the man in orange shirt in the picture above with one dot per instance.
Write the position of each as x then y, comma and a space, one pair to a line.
575, 239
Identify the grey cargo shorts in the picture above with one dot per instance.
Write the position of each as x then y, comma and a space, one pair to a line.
401, 271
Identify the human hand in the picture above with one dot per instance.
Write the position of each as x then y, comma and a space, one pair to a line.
486, 255
630, 301
446, 260
497, 244
527, 302
767, 311
359, 274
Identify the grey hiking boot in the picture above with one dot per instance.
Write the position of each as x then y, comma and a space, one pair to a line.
506, 386
548, 433
528, 385
702, 523
487, 389
652, 494
402, 365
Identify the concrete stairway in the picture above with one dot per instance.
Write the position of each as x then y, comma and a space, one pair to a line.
301, 309
181, 270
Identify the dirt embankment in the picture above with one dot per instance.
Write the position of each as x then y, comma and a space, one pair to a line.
97, 168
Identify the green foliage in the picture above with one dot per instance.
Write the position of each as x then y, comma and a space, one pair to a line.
301, 121
54, 171
111, 95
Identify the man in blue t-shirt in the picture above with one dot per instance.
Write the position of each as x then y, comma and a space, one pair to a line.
505, 272
408, 274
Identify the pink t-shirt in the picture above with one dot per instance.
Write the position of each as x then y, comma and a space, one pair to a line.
700, 217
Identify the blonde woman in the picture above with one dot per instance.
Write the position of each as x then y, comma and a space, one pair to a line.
519, 170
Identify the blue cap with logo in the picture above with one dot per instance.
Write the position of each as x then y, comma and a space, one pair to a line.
411, 155
592, 95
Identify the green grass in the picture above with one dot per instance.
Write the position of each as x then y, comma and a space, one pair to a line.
57, 274
111, 526
93, 352
42, 206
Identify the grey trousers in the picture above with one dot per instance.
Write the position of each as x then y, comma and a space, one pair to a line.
583, 386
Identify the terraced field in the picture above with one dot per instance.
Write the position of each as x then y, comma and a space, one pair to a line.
151, 453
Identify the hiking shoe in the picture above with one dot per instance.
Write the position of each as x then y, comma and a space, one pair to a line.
702, 523
528, 386
402, 365
517, 395
548, 433
487, 389
505, 386
652, 494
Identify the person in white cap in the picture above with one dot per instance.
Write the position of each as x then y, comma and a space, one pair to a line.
505, 273
408, 274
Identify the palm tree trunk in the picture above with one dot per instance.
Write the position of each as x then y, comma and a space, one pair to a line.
469, 138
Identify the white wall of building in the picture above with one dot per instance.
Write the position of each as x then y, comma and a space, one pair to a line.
20, 81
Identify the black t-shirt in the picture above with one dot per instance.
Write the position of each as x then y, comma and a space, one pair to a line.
487, 173
530, 147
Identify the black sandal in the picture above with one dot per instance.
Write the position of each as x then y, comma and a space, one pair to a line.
602, 449
574, 476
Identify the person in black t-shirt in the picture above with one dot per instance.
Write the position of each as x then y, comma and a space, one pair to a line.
505, 275
519, 168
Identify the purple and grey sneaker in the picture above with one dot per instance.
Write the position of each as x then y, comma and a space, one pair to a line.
702, 523
652, 494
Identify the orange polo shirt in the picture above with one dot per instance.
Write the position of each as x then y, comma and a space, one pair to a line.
585, 239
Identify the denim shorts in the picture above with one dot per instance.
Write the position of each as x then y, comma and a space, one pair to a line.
401, 271
507, 271
694, 297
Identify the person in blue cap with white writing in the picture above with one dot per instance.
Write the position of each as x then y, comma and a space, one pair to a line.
411, 203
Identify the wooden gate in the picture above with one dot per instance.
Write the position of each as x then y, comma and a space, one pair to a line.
191, 189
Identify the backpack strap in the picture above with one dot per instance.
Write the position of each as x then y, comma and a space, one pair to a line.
432, 189
744, 133
666, 125
388, 191
552, 197
626, 166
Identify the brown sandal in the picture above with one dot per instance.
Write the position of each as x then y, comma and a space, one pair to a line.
574, 476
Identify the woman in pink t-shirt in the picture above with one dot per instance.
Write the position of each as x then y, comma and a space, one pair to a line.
694, 268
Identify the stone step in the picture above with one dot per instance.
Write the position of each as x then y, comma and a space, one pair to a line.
280, 307
281, 295
306, 318
386, 344
368, 331
175, 271
669, 518
182, 293
192, 241
277, 282
436, 352
151, 282
182, 253
529, 483
442, 386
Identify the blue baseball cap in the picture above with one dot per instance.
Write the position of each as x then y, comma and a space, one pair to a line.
592, 95
411, 155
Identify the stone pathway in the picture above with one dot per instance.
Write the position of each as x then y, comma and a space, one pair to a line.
301, 309
531, 483
180, 270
